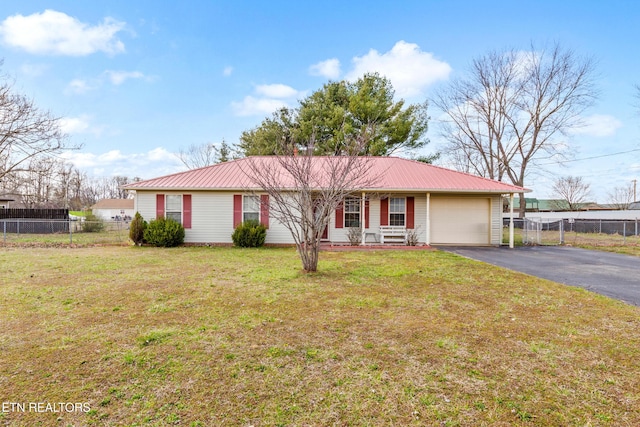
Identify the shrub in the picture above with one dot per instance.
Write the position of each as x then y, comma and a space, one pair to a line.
163, 232
355, 236
249, 234
413, 236
92, 224
136, 229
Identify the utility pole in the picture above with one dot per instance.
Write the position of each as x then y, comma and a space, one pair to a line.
635, 182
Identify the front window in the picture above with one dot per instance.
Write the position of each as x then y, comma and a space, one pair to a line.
352, 212
397, 211
173, 207
251, 208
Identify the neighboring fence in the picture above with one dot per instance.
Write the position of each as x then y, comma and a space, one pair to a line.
64, 231
59, 214
546, 231
621, 227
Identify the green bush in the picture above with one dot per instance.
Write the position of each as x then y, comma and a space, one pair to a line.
249, 234
136, 229
92, 224
163, 232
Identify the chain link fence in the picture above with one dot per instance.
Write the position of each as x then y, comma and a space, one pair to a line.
542, 231
45, 232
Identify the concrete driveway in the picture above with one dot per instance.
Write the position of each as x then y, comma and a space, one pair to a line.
614, 275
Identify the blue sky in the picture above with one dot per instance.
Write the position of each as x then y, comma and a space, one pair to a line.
136, 81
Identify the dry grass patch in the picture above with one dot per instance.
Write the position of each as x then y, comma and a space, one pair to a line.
629, 245
221, 336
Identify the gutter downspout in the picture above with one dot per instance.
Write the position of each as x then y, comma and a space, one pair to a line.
511, 221
362, 221
428, 238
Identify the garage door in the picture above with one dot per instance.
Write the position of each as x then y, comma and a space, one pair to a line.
460, 220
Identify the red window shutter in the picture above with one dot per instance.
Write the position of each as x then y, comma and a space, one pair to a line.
384, 212
264, 210
340, 216
159, 206
237, 210
366, 214
410, 210
186, 210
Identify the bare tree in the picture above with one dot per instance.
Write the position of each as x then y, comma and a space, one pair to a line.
26, 132
304, 190
47, 182
512, 107
572, 191
198, 156
621, 197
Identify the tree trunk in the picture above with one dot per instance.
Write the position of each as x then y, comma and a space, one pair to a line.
523, 205
309, 256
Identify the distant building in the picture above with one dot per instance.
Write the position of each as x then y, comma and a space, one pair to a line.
555, 205
114, 209
4, 202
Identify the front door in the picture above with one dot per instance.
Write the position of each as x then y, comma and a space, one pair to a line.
325, 232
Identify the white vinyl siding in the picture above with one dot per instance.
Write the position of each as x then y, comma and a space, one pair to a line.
496, 220
454, 219
211, 217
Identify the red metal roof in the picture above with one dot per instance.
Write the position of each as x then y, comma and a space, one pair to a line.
394, 173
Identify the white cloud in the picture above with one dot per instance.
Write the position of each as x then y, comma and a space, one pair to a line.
81, 86
276, 91
329, 69
270, 98
410, 69
160, 154
56, 33
598, 125
156, 162
227, 71
119, 77
79, 160
111, 156
78, 86
251, 106
74, 124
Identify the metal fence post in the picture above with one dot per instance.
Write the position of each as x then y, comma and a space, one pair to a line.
624, 232
70, 232
4, 233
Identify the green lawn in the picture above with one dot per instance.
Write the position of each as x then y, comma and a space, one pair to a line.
224, 336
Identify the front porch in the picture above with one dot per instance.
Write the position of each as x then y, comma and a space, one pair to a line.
409, 218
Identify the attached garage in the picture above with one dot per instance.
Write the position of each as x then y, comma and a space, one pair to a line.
460, 220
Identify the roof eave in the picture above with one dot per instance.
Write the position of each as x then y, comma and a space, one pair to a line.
366, 190
447, 190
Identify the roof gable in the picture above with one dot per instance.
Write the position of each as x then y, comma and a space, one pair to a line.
394, 173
